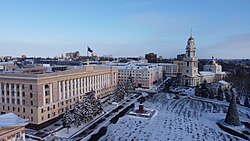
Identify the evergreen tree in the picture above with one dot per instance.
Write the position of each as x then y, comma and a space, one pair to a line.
238, 100
211, 94
227, 95
246, 102
204, 90
84, 109
77, 114
197, 91
98, 105
120, 92
220, 94
66, 120
232, 117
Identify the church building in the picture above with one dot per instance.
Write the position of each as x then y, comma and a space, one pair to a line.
190, 75
212, 71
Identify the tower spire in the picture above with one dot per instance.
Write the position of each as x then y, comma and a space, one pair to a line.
191, 32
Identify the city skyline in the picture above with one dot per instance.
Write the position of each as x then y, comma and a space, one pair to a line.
125, 28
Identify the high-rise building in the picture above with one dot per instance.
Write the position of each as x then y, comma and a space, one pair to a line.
151, 57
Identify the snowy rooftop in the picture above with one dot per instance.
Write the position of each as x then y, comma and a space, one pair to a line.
206, 73
223, 82
10, 120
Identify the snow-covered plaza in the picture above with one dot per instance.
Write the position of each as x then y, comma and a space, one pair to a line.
187, 119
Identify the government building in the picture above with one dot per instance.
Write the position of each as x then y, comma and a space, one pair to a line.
41, 95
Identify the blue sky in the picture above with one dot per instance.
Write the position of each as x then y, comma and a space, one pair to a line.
125, 27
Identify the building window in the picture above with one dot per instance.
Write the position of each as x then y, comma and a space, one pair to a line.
23, 102
47, 108
186, 71
54, 106
23, 94
23, 86
187, 64
31, 111
41, 110
23, 110
42, 118
13, 109
30, 87
31, 103
31, 95
48, 115
18, 109
31, 118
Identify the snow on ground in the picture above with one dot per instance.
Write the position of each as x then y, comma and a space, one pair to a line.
182, 119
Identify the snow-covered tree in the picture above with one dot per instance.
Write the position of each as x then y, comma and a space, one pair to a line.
197, 90
130, 85
120, 92
232, 117
227, 95
246, 102
204, 91
238, 100
66, 120
99, 106
77, 114
211, 94
84, 109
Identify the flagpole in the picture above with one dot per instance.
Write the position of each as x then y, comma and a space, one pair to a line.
87, 52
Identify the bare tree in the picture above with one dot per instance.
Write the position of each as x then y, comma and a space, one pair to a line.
241, 80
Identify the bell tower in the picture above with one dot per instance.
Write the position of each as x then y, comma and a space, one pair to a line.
190, 64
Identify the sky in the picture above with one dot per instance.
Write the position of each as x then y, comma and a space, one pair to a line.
47, 28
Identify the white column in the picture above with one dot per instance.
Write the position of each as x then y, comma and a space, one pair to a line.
5, 93
81, 89
95, 82
50, 93
90, 82
98, 80
59, 90
15, 94
0, 93
74, 86
85, 85
10, 94
44, 101
20, 94
78, 86
63, 92
67, 89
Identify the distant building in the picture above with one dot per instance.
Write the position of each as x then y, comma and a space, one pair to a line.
144, 75
41, 95
214, 67
180, 66
72, 55
180, 57
12, 127
151, 57
170, 70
